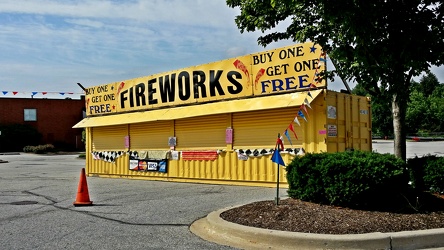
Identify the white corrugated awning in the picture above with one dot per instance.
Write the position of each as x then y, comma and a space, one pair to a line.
230, 106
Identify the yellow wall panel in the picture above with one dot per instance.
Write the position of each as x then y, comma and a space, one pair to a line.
206, 132
251, 130
353, 119
109, 138
259, 129
150, 135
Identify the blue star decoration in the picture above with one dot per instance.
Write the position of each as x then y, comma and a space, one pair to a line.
313, 49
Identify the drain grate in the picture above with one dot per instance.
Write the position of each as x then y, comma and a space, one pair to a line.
23, 202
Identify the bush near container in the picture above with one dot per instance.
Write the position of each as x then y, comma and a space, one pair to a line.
369, 180
427, 173
353, 179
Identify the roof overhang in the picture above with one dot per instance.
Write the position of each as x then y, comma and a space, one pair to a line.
232, 106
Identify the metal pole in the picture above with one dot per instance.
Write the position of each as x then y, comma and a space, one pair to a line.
277, 185
277, 178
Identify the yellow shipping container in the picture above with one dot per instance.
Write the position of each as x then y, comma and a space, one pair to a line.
219, 123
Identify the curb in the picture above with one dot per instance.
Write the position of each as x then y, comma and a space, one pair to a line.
213, 228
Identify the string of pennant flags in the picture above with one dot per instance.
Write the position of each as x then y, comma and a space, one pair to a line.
34, 93
303, 111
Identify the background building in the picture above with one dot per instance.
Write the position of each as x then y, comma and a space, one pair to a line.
52, 118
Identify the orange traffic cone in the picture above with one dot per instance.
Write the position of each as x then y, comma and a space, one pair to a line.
82, 198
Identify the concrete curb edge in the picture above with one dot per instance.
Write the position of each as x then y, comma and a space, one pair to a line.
213, 228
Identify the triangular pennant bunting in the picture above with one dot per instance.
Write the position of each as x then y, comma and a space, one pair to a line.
307, 103
292, 130
297, 121
33, 93
302, 112
288, 137
302, 115
305, 109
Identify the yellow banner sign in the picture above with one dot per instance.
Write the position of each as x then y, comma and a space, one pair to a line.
290, 68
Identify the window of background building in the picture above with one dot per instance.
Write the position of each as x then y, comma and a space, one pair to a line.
30, 115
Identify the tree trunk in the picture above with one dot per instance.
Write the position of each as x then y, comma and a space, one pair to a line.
399, 109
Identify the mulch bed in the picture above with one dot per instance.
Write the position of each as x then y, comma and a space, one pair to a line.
299, 216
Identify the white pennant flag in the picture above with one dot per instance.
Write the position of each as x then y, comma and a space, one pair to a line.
307, 103
297, 121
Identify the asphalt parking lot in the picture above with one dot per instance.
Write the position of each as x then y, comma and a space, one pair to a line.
37, 194
36, 210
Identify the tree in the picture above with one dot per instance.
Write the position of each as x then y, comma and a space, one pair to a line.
427, 84
379, 44
425, 110
382, 121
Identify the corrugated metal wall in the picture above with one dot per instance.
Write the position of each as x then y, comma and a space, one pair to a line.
151, 135
206, 132
109, 138
251, 130
352, 121
259, 129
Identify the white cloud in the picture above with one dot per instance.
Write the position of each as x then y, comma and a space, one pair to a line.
85, 22
50, 45
184, 12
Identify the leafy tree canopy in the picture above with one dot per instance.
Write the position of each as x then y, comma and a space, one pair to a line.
373, 42
379, 44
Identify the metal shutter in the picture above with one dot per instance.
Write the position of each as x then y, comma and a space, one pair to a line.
150, 135
204, 132
109, 137
259, 129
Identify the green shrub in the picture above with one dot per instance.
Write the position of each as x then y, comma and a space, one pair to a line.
40, 149
416, 171
427, 173
305, 180
28, 149
434, 175
351, 179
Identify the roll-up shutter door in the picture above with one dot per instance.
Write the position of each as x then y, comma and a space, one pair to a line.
109, 137
204, 132
150, 135
259, 129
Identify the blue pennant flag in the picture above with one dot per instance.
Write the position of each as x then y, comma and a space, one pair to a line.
62, 93
5, 92
34, 93
288, 137
277, 158
302, 115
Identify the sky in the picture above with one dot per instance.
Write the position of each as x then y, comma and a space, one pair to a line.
48, 46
